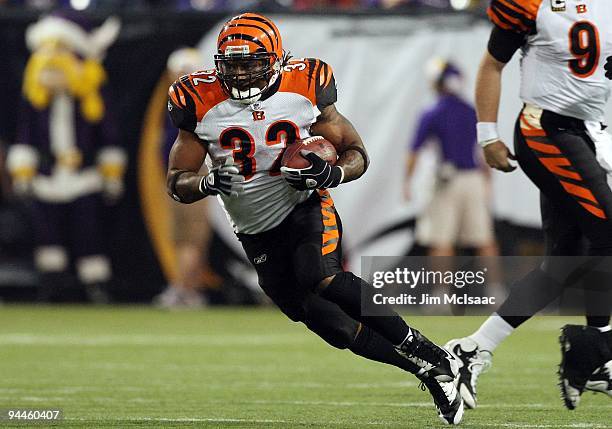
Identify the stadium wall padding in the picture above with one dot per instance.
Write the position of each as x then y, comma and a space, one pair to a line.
135, 64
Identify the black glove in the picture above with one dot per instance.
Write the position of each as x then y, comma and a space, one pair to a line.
222, 179
608, 68
319, 175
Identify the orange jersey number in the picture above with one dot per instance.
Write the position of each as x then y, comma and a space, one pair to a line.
584, 46
242, 144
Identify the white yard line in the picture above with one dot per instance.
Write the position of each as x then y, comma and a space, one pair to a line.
381, 404
343, 423
424, 404
150, 340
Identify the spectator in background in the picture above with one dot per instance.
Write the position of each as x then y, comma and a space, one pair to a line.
191, 232
458, 213
67, 156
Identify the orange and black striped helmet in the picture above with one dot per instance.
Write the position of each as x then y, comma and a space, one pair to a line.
249, 56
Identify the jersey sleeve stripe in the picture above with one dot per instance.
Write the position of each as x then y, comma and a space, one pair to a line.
188, 83
509, 19
529, 10
191, 91
322, 75
181, 95
330, 73
510, 15
312, 65
187, 101
173, 96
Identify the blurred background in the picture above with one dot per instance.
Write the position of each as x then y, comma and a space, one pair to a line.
84, 216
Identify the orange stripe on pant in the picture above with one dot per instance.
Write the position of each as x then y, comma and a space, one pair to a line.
556, 165
579, 191
543, 147
596, 211
331, 234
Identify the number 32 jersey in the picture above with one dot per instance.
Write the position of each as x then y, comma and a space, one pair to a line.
254, 135
567, 43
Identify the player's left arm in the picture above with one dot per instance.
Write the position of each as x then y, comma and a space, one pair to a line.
337, 129
352, 157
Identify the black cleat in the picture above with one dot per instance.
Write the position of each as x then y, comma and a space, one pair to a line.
432, 360
446, 398
601, 380
583, 350
473, 361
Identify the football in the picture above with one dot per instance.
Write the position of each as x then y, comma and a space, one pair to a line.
292, 157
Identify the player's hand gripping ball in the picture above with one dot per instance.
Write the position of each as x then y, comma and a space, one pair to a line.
309, 164
222, 179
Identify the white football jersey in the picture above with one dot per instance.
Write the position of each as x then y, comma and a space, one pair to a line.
254, 135
563, 58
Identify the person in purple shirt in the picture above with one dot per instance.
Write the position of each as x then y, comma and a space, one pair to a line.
458, 214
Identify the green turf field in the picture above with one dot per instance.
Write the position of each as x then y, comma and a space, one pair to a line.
140, 367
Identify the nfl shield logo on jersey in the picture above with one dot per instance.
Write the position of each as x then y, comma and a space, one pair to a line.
558, 5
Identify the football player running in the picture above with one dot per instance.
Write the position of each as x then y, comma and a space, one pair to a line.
239, 117
562, 147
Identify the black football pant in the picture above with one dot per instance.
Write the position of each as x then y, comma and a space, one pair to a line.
558, 156
294, 257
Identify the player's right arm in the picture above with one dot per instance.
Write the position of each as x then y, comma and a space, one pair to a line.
488, 94
184, 183
188, 153
186, 158
513, 22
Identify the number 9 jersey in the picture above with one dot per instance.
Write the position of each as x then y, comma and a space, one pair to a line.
565, 46
255, 135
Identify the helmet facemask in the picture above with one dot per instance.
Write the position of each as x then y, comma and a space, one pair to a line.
245, 76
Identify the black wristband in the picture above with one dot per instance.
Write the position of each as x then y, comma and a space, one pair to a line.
174, 176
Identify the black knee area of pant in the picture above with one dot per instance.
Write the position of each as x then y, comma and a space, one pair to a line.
310, 267
346, 290
294, 310
344, 286
329, 322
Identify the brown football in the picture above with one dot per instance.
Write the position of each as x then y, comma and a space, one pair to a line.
292, 157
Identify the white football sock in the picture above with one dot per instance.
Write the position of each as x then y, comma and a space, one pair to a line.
605, 328
492, 332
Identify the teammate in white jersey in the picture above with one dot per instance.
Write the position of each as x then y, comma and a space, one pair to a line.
561, 145
242, 115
